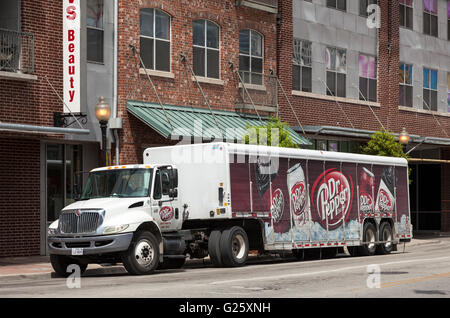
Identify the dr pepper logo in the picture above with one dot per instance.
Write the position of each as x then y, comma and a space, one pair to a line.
166, 213
332, 195
277, 205
384, 201
298, 198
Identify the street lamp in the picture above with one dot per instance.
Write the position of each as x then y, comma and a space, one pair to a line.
103, 113
403, 138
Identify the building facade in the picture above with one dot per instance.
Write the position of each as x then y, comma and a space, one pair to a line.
355, 71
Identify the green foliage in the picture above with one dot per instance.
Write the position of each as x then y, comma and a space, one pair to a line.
383, 143
274, 133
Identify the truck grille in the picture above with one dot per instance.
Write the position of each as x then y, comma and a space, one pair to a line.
79, 222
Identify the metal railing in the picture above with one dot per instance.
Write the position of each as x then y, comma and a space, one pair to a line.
16, 51
260, 90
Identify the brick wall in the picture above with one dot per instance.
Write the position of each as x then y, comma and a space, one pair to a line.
28, 103
34, 102
19, 197
181, 90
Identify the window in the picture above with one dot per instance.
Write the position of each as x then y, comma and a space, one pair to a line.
406, 85
94, 22
448, 92
206, 49
448, 20
251, 56
337, 4
430, 18
406, 13
363, 4
302, 68
430, 89
367, 78
336, 71
155, 39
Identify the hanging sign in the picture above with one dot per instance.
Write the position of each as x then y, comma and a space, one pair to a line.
71, 55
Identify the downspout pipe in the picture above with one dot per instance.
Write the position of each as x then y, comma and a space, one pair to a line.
115, 80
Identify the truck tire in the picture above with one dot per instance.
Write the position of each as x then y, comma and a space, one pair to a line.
369, 236
142, 257
214, 247
385, 234
234, 247
61, 262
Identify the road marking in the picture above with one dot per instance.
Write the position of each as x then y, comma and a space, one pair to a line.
276, 277
414, 280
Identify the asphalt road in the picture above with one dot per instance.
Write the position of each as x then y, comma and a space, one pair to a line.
423, 270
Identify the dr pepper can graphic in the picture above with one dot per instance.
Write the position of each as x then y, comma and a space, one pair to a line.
385, 197
298, 194
266, 172
366, 184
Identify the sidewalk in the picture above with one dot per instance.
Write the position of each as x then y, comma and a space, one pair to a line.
39, 266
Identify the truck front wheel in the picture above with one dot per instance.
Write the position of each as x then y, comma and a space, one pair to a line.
142, 256
234, 246
61, 262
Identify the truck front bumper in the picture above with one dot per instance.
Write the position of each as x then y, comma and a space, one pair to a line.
92, 245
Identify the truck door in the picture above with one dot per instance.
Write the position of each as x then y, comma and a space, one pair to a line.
164, 200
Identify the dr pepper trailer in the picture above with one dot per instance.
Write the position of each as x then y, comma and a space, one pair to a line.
271, 199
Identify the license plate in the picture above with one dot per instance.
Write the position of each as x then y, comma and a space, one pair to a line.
77, 251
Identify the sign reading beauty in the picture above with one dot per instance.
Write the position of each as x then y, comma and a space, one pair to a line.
71, 55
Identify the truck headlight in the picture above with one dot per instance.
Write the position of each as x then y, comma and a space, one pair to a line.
115, 229
52, 231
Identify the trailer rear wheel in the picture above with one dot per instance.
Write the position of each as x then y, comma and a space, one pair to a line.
369, 238
387, 236
234, 247
214, 247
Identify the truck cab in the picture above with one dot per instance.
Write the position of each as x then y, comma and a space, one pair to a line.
120, 218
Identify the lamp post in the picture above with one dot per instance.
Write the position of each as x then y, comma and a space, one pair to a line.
404, 138
103, 113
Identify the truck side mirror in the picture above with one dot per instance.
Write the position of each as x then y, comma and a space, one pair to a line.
174, 178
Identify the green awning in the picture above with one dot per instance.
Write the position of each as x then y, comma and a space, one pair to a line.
198, 122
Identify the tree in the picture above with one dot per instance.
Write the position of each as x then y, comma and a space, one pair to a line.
383, 143
273, 133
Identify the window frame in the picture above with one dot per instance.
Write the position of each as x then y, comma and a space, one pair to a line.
302, 66
251, 56
336, 5
431, 14
336, 72
206, 47
429, 90
96, 29
404, 8
154, 38
367, 98
404, 84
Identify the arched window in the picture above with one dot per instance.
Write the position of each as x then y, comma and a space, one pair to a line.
251, 59
155, 39
206, 49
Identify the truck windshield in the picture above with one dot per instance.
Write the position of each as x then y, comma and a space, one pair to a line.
122, 183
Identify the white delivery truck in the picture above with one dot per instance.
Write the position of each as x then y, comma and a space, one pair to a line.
225, 199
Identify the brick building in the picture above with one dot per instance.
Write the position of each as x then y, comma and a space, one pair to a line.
41, 163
